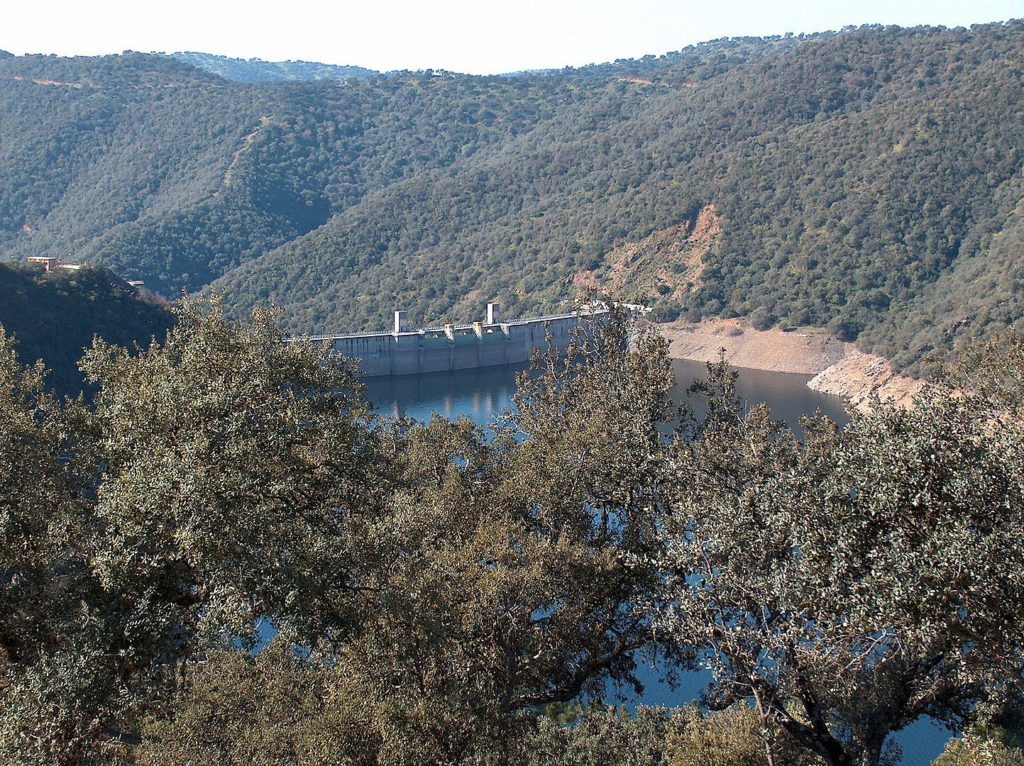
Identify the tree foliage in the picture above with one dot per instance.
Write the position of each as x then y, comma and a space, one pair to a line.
126, 552
867, 576
445, 594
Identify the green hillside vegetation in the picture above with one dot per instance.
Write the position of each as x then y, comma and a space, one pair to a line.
258, 70
55, 316
866, 181
166, 173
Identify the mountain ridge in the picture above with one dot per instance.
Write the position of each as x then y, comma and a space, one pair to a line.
256, 70
855, 177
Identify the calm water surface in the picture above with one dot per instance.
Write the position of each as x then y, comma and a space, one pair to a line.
482, 394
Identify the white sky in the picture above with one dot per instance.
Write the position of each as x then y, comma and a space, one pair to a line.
478, 37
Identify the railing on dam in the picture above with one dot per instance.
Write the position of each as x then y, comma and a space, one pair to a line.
584, 312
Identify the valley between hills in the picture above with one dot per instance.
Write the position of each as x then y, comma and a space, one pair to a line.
866, 182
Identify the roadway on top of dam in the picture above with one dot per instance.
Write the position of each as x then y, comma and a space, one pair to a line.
586, 311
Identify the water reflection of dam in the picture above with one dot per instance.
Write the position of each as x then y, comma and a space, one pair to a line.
490, 343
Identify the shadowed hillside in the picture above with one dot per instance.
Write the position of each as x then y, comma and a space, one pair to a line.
54, 316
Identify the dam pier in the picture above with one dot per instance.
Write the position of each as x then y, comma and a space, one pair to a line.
488, 343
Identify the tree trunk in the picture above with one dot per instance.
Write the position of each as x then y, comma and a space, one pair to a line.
765, 730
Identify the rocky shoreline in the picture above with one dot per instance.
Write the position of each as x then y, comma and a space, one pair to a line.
838, 368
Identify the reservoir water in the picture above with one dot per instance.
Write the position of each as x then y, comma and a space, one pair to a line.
482, 393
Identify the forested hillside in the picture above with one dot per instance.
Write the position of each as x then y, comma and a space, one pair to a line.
867, 181
54, 317
169, 174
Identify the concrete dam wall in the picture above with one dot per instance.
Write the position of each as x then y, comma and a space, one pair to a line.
491, 343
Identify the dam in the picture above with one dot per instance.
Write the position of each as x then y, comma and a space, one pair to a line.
488, 343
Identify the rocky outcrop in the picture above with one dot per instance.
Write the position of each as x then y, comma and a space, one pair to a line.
668, 263
860, 377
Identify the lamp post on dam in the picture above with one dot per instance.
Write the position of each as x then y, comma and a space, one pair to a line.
488, 343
